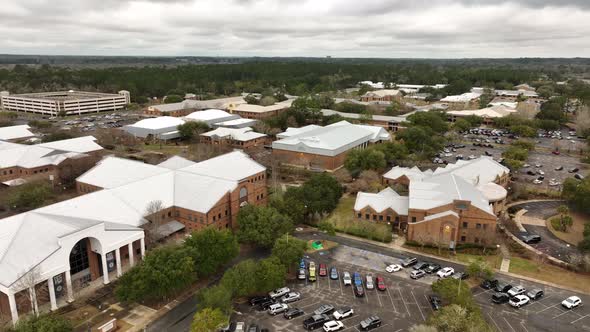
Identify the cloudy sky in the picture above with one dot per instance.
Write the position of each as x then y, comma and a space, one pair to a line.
341, 28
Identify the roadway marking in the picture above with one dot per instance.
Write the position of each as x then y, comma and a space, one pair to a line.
391, 299
418, 305
430, 306
379, 298
404, 302
538, 312
493, 321
572, 322
340, 283
561, 314
504, 318
524, 327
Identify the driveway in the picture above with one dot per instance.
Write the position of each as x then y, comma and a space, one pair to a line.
550, 244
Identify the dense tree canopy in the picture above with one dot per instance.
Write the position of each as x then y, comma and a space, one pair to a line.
262, 225
577, 192
43, 323
192, 129
216, 297
360, 160
289, 250
207, 320
210, 249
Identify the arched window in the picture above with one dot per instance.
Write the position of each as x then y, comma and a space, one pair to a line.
243, 194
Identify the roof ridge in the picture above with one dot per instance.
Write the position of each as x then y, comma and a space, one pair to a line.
15, 234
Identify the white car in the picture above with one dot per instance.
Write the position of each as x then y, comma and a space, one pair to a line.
240, 327
571, 302
445, 272
346, 279
333, 325
540, 172
516, 290
343, 313
393, 268
537, 181
291, 297
519, 300
277, 308
369, 284
279, 292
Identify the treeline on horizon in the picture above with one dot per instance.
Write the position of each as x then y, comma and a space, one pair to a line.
297, 78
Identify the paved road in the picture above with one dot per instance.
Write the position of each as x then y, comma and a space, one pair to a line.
550, 244
180, 317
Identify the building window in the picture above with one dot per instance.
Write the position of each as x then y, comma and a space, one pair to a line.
396, 218
388, 218
463, 238
359, 215
169, 213
226, 212
478, 226
413, 219
213, 218
374, 217
465, 224
219, 216
367, 216
485, 226
380, 218
177, 213
476, 240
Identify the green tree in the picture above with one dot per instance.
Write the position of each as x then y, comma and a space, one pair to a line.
434, 120
291, 204
207, 320
321, 194
216, 297
564, 219
211, 249
480, 269
486, 97
454, 291
270, 274
359, 160
422, 328
524, 130
262, 225
192, 129
43, 323
461, 125
577, 193
516, 153
250, 99
173, 99
289, 250
454, 318
30, 195
584, 245
421, 141
394, 151
57, 136
240, 278
163, 272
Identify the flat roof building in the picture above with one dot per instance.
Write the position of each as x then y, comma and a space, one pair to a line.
211, 116
15, 133
488, 114
250, 111
241, 138
68, 102
163, 127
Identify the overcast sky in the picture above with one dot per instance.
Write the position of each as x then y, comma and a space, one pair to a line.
340, 28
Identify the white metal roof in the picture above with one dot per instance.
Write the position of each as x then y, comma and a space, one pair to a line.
238, 134
82, 144
496, 111
176, 162
15, 132
211, 116
158, 123
261, 109
493, 192
382, 93
481, 170
236, 123
385, 199
413, 174
462, 98
356, 116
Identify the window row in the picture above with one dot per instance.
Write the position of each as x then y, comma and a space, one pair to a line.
376, 217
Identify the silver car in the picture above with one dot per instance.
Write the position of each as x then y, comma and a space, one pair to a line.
369, 284
346, 279
301, 275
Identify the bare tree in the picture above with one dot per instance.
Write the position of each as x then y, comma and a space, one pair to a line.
153, 214
27, 281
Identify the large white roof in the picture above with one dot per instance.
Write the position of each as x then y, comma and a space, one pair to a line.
176, 162
211, 116
330, 140
481, 170
382, 93
496, 111
462, 98
82, 144
238, 134
15, 132
385, 199
413, 174
158, 123
262, 109
356, 116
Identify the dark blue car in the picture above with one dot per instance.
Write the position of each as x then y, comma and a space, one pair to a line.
356, 277
302, 264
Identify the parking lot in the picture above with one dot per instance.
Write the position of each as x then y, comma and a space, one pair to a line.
405, 302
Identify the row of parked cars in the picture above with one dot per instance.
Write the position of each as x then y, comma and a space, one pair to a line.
421, 268
371, 282
518, 296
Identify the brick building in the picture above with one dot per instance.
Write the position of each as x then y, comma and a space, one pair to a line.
103, 232
259, 112
15, 133
188, 106
59, 161
240, 138
324, 148
382, 95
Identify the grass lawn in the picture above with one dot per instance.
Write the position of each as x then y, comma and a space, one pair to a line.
550, 273
344, 220
492, 258
164, 148
574, 234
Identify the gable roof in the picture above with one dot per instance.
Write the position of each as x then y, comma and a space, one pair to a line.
385, 199
15, 132
238, 134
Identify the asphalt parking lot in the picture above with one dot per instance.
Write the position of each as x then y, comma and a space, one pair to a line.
405, 302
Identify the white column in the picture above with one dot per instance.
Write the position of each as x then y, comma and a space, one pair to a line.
13, 310
69, 285
118, 261
142, 245
105, 270
33, 298
52, 300
131, 253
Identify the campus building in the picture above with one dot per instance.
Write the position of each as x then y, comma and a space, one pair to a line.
259, 112
487, 114
16, 133
454, 204
469, 100
391, 123
55, 250
382, 95
55, 161
163, 128
324, 148
68, 102
188, 106
240, 138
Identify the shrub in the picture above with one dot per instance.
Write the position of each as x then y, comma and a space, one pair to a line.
327, 227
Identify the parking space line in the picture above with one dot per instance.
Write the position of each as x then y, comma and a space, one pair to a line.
504, 318
340, 283
430, 306
391, 299
404, 302
572, 322
418, 305
379, 299
563, 313
538, 312
524, 327
493, 321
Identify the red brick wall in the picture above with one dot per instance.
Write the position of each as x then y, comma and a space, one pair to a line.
308, 160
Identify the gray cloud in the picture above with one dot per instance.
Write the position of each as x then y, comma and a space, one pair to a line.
373, 28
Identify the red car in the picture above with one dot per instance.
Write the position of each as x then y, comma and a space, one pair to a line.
323, 270
555, 152
380, 283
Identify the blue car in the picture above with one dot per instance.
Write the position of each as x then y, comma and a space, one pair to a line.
333, 273
302, 264
356, 277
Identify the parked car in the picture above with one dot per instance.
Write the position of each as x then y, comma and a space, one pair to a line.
445, 272
516, 290
333, 273
537, 181
343, 313
571, 302
535, 294
409, 261
301, 275
279, 292
417, 274
435, 301
560, 168
574, 170
312, 272
503, 287
240, 327
460, 275
333, 325
258, 299
315, 321
346, 279
381, 284
432, 268
369, 281
265, 305
579, 176
291, 297
518, 301
530, 173
489, 283
324, 309
277, 308
421, 265
323, 270
359, 291
393, 268
531, 238
370, 323
500, 298
356, 278
302, 264
292, 313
